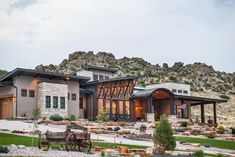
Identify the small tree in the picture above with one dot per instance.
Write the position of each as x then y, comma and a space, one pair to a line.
163, 135
102, 116
36, 113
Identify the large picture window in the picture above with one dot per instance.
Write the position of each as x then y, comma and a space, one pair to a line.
48, 102
127, 104
55, 102
100, 105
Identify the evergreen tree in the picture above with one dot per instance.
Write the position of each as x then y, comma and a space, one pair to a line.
163, 135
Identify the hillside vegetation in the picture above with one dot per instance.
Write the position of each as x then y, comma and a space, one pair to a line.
204, 80
2, 73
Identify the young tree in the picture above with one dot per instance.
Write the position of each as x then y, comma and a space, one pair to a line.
163, 135
36, 113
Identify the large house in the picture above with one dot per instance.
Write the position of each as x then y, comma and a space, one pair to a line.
92, 90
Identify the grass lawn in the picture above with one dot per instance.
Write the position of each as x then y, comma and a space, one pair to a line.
212, 142
7, 139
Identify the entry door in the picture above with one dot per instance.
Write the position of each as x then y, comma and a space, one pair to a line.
7, 108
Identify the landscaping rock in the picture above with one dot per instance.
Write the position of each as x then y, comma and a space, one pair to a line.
12, 147
21, 147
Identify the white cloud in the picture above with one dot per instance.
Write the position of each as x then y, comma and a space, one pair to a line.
159, 31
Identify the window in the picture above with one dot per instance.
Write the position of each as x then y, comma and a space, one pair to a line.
106, 77
185, 92
55, 102
31, 93
81, 103
179, 91
174, 90
68, 96
95, 77
101, 77
23, 92
74, 97
62, 102
48, 102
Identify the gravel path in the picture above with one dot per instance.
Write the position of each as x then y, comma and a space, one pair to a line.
51, 153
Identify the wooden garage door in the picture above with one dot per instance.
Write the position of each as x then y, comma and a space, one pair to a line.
6, 108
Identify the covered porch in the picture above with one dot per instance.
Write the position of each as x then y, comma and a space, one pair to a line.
161, 101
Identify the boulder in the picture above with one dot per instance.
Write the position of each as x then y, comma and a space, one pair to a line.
12, 147
21, 147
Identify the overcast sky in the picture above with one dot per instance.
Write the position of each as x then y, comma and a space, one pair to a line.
34, 32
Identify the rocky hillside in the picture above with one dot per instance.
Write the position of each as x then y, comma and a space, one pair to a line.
204, 80
2, 73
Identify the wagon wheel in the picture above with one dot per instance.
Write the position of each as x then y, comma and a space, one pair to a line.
84, 145
43, 143
71, 142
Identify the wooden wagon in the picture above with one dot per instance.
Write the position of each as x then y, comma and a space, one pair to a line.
71, 141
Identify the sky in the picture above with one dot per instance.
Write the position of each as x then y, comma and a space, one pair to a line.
34, 32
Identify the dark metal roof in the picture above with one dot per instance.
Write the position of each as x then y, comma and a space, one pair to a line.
85, 91
111, 80
203, 99
112, 70
3, 84
34, 73
149, 92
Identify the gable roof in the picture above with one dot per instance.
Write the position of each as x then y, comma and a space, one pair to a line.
50, 75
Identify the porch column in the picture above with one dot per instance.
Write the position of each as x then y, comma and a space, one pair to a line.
149, 104
111, 110
214, 109
132, 109
172, 103
124, 109
202, 113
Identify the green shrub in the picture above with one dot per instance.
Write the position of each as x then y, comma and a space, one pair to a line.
3, 149
220, 155
116, 128
220, 129
56, 117
198, 153
163, 134
184, 124
102, 116
224, 97
233, 131
72, 117
36, 113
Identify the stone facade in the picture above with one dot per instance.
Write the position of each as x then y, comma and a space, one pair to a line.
52, 89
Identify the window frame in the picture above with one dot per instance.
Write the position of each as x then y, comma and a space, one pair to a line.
74, 97
62, 101
46, 101
101, 77
174, 90
24, 94
185, 91
55, 103
95, 77
180, 91
31, 92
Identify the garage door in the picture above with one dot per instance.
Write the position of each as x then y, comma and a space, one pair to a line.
6, 108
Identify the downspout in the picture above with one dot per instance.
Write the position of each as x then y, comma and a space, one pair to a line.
16, 96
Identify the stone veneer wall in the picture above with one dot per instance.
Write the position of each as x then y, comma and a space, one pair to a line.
52, 89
